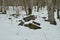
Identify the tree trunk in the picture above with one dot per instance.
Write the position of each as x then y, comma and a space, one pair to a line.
58, 7
30, 7
3, 7
51, 13
58, 13
0, 8
30, 11
38, 6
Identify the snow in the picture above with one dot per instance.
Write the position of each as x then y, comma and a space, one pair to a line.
9, 29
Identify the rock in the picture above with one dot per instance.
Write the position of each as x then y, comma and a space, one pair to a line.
44, 17
46, 20
21, 23
31, 17
9, 18
36, 23
32, 26
15, 15
42, 13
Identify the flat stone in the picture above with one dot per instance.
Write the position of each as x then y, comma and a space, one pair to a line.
31, 17
32, 26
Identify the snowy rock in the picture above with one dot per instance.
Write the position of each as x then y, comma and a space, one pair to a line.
32, 26
31, 17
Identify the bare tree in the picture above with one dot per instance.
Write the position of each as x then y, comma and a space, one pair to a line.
3, 7
58, 7
51, 12
30, 6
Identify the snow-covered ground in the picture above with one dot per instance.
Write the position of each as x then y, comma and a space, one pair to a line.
9, 29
